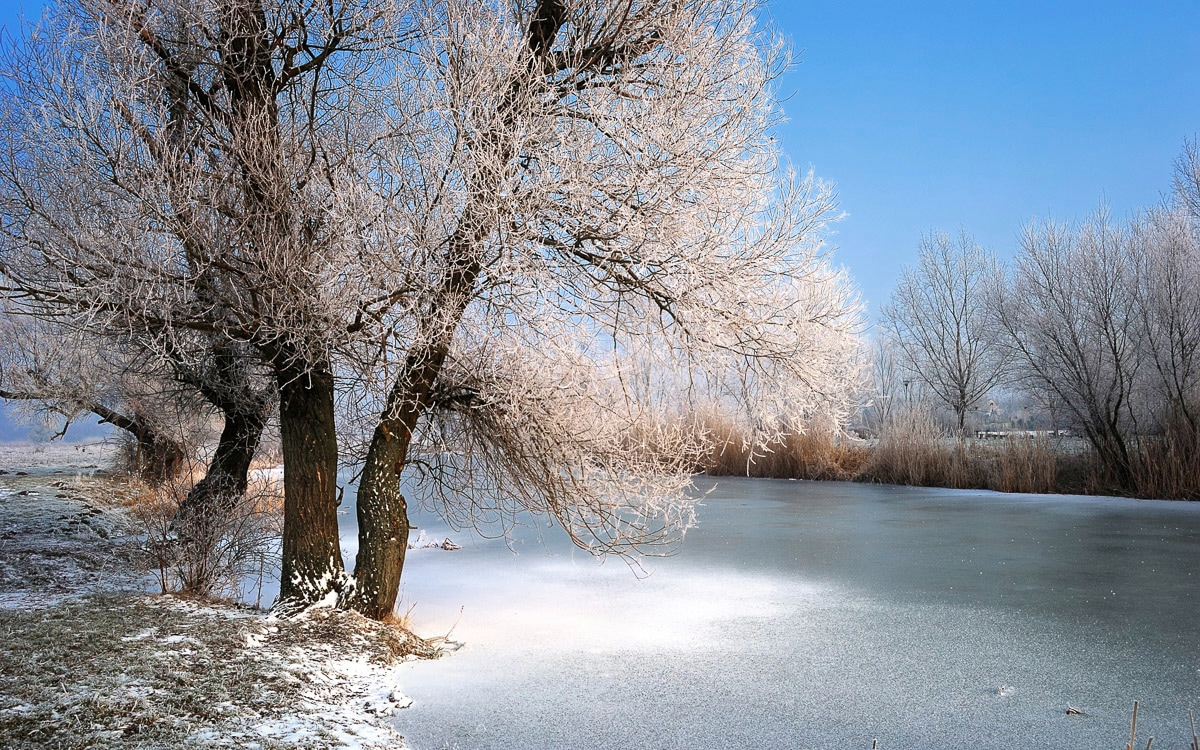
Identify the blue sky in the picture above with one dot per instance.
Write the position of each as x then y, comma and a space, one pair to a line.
936, 115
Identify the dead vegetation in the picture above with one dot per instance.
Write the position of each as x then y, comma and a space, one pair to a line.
143, 671
815, 452
913, 450
89, 661
233, 560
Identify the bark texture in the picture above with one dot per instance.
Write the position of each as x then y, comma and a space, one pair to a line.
312, 557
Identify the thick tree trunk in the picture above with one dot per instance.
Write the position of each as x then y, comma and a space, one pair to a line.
227, 476
382, 511
312, 556
382, 523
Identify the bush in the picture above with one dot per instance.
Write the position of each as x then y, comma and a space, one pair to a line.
238, 549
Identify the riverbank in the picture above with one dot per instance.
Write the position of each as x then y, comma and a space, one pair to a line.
92, 658
925, 458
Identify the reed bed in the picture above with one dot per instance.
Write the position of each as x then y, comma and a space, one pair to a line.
913, 450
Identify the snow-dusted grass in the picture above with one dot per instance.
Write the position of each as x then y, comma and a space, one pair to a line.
141, 671
89, 659
55, 456
150, 671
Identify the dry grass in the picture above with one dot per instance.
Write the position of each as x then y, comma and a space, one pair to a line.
813, 453
82, 666
913, 450
241, 551
1168, 466
1026, 465
151, 672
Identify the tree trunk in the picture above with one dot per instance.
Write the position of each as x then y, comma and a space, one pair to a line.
202, 517
227, 476
382, 511
157, 457
382, 523
1113, 453
312, 556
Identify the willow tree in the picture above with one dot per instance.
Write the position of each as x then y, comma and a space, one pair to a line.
520, 231
588, 220
168, 172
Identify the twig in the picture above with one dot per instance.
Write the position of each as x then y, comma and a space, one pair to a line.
1133, 727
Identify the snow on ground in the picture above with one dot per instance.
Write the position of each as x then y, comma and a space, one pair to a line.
92, 659
57, 456
64, 531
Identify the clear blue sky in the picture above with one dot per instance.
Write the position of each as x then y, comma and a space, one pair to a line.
936, 115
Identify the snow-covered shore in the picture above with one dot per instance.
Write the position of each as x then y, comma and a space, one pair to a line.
93, 658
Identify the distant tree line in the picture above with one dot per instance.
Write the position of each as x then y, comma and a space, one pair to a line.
1096, 323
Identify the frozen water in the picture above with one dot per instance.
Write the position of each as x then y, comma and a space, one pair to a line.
821, 615
818, 615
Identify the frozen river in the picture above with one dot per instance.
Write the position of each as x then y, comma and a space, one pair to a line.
822, 615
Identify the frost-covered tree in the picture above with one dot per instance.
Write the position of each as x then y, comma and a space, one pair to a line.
884, 396
1187, 179
940, 320
1071, 316
57, 372
169, 174
578, 185
483, 218
55, 375
1165, 251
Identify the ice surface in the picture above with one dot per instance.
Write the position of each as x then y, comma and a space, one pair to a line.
815, 615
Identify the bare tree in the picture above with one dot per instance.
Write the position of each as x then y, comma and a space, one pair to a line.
58, 374
235, 384
473, 216
584, 182
163, 405
169, 172
1187, 178
1071, 315
1165, 251
885, 390
940, 321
